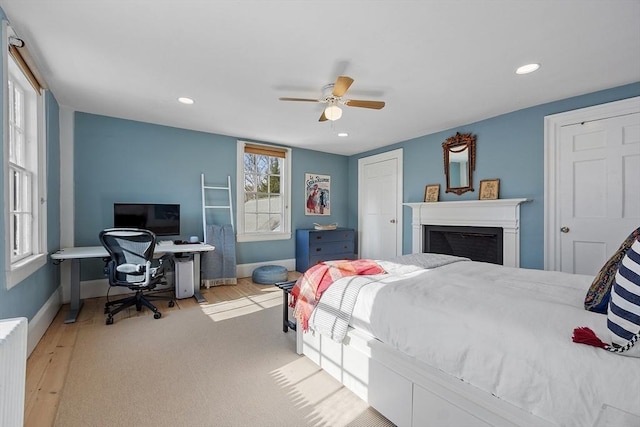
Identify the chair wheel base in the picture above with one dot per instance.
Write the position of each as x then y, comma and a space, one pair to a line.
171, 303
109, 321
157, 315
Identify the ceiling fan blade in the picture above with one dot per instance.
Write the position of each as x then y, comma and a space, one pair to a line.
342, 85
299, 99
376, 105
323, 118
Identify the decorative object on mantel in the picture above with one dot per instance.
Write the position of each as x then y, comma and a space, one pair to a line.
317, 194
459, 162
431, 193
489, 189
326, 226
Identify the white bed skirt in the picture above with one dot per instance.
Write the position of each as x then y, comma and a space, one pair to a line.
407, 392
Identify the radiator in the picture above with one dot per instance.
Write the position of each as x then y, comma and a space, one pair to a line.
13, 370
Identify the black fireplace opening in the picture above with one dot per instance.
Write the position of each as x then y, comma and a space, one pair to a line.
482, 244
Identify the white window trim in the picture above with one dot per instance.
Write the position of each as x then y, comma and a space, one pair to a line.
17, 272
241, 236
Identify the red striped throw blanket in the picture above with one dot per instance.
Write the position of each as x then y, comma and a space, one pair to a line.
309, 287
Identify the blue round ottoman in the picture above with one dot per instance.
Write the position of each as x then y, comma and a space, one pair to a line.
269, 274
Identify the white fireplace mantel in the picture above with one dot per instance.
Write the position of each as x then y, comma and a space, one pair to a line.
504, 213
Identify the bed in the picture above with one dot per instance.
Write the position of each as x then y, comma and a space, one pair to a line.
446, 341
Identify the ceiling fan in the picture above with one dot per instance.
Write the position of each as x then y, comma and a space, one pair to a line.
332, 94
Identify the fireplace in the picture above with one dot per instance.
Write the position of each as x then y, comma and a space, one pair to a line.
482, 244
500, 214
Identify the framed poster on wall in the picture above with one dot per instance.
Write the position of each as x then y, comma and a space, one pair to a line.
317, 194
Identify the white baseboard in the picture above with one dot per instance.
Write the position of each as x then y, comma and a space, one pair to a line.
43, 318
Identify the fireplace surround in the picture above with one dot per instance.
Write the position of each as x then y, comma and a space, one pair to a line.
501, 213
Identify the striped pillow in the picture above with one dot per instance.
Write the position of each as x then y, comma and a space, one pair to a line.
623, 317
597, 298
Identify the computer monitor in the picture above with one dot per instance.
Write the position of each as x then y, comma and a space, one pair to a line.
162, 219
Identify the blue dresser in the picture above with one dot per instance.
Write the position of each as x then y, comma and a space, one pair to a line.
314, 246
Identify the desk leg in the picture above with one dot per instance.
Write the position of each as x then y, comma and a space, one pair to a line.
196, 278
76, 302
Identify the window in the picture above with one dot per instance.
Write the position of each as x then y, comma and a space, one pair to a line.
24, 166
263, 192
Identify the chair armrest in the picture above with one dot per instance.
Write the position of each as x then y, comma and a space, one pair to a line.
130, 268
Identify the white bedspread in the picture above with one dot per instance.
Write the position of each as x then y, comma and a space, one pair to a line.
332, 315
506, 331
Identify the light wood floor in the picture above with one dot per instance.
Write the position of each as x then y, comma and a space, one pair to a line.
49, 362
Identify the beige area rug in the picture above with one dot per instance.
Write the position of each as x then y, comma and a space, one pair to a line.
226, 364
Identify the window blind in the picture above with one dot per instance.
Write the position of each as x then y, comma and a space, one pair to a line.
265, 151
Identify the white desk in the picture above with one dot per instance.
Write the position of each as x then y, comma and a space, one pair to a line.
77, 254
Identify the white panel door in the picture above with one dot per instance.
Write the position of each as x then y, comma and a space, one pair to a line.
599, 190
379, 207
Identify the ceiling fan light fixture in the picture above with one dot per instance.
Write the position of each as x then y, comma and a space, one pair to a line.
332, 96
333, 112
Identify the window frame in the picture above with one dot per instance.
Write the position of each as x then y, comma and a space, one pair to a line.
18, 270
285, 181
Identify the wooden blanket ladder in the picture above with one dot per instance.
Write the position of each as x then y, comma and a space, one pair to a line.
205, 207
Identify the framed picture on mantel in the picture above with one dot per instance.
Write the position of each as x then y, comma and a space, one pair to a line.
489, 189
432, 193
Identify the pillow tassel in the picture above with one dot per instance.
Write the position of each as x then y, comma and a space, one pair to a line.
585, 335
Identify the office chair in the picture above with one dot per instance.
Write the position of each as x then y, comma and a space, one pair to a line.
131, 254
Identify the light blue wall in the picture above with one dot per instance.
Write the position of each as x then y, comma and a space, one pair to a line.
509, 147
28, 296
163, 164
126, 161
120, 160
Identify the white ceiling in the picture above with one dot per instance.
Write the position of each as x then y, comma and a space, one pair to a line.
437, 64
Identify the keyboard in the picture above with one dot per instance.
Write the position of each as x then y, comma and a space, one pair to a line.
184, 242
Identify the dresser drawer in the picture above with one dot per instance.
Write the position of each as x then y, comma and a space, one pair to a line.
331, 236
329, 248
316, 259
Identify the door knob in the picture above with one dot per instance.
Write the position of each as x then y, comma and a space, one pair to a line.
565, 229
393, 221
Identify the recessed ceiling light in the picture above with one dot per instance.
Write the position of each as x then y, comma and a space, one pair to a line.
526, 69
185, 100
343, 134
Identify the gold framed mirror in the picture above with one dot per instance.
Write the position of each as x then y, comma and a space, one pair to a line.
459, 162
